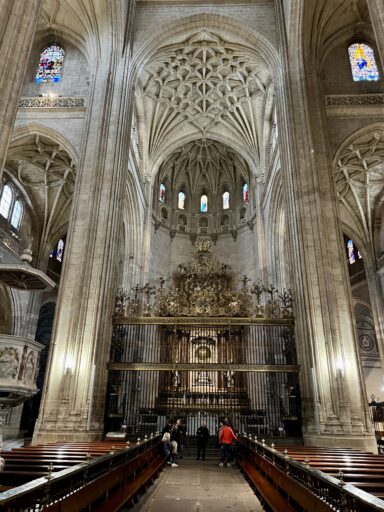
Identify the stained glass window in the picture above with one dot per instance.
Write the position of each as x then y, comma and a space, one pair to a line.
6, 201
226, 200
50, 65
204, 203
245, 193
60, 250
181, 201
16, 214
363, 63
351, 252
162, 193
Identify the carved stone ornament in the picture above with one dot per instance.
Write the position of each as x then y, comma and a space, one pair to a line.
24, 277
205, 288
19, 365
203, 81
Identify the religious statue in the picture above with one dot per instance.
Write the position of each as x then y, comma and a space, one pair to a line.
176, 381
229, 378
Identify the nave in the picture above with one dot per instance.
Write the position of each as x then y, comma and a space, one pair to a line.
199, 486
106, 477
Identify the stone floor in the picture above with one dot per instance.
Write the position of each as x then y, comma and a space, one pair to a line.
199, 486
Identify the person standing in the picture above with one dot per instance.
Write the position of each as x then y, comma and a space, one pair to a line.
202, 434
226, 438
180, 428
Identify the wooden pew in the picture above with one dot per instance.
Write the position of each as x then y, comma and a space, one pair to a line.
103, 485
364, 470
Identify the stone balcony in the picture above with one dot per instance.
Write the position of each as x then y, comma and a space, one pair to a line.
19, 366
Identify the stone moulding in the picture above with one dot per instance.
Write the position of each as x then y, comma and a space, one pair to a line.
354, 100
225, 321
277, 368
56, 102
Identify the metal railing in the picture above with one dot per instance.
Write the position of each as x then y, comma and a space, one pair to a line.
49, 492
286, 473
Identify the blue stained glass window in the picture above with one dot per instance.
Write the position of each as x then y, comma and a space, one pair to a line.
50, 65
162, 193
204, 203
181, 201
351, 252
60, 250
363, 63
226, 200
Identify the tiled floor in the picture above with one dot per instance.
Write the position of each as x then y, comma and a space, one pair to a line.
199, 486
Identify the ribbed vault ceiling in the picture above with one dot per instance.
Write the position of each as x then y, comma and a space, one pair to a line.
204, 162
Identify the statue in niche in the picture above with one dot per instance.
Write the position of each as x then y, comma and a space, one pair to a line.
30, 367
229, 378
9, 363
176, 380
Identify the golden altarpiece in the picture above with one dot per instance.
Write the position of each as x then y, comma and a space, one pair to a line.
200, 349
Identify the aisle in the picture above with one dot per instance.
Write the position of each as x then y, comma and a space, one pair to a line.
199, 486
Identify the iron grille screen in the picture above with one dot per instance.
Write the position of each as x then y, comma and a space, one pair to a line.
204, 373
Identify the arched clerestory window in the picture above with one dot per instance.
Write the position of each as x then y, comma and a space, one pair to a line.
353, 253
363, 62
50, 64
203, 203
226, 200
17, 214
245, 193
6, 200
162, 193
181, 201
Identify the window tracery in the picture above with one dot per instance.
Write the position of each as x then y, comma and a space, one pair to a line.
50, 64
363, 62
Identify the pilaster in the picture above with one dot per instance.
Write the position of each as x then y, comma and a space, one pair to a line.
334, 404
18, 20
376, 11
73, 401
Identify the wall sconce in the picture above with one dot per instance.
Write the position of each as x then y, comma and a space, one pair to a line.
339, 364
68, 364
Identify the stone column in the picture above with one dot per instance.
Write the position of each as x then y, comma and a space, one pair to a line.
18, 20
73, 400
334, 406
377, 304
376, 11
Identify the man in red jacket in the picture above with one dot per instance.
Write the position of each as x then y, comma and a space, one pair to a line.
226, 438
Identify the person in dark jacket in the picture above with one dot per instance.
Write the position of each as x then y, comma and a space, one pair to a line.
202, 434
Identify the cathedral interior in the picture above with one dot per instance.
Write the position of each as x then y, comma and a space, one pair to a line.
192, 218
